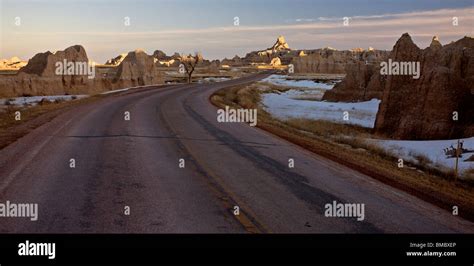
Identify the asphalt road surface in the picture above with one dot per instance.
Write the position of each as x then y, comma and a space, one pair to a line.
135, 163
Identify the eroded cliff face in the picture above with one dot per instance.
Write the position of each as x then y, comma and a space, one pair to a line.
44, 64
424, 108
280, 49
322, 61
40, 77
138, 69
331, 61
362, 82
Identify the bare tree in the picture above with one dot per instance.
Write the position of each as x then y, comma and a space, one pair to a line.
189, 63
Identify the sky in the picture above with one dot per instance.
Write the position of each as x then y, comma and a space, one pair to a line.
28, 27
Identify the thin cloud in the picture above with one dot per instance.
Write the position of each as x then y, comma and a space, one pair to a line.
380, 31
425, 18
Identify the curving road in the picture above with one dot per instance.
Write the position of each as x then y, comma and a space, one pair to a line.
136, 163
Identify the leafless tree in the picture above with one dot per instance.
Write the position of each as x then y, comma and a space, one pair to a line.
189, 63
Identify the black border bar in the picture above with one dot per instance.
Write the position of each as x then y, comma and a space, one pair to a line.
222, 249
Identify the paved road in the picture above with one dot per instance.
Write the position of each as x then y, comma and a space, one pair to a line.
136, 163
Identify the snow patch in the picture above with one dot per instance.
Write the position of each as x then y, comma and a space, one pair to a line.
286, 105
213, 79
115, 91
281, 80
432, 149
33, 100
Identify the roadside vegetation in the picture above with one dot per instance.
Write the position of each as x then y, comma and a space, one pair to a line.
346, 144
32, 117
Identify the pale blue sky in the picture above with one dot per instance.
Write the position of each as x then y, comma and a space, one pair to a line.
207, 25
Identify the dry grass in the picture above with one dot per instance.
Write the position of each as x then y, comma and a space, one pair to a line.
331, 140
422, 159
32, 117
468, 174
327, 129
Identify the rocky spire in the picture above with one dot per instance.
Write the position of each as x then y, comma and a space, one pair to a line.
435, 44
280, 44
405, 49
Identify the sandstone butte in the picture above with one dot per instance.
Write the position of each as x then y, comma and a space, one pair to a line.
417, 108
424, 108
38, 77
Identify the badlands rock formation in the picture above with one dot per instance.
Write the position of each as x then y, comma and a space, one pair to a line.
160, 55
175, 60
13, 63
435, 44
362, 81
39, 76
280, 45
214, 66
236, 61
326, 60
331, 61
44, 64
165, 60
360, 84
275, 61
116, 60
424, 108
279, 49
138, 69
417, 108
